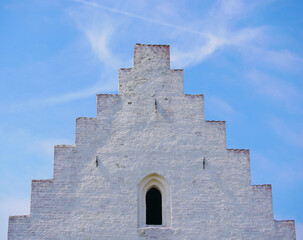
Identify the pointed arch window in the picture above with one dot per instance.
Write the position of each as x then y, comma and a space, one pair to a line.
154, 205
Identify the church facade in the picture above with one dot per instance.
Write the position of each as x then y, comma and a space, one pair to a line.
149, 166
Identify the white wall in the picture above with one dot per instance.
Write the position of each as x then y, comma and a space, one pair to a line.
150, 127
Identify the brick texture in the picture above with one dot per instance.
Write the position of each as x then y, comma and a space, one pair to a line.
150, 127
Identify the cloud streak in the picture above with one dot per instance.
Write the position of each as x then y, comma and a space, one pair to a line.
265, 169
151, 20
178, 57
198, 54
30, 143
271, 87
208, 41
100, 39
221, 107
281, 60
57, 99
188, 51
290, 135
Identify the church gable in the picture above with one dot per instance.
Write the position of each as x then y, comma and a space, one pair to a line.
150, 166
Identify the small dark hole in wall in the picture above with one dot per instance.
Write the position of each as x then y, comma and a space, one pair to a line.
97, 163
153, 200
130, 103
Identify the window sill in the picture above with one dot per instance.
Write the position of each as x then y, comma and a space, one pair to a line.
154, 227
151, 230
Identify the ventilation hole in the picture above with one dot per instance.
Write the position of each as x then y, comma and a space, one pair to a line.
97, 162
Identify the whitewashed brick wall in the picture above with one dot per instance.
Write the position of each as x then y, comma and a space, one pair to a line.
149, 127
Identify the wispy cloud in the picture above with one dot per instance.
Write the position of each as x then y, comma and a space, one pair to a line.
282, 60
254, 43
206, 47
207, 41
46, 146
99, 40
143, 18
31, 143
238, 7
221, 107
232, 7
288, 133
58, 99
178, 58
274, 88
191, 45
267, 170
99, 36
283, 175
196, 55
101, 32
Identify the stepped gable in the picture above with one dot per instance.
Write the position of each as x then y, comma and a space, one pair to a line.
149, 166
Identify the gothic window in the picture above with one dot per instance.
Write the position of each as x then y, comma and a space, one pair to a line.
154, 204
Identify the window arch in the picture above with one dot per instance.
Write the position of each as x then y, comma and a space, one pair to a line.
154, 205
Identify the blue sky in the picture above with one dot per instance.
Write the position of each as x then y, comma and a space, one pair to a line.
245, 56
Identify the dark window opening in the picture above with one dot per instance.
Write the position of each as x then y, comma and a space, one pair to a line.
153, 207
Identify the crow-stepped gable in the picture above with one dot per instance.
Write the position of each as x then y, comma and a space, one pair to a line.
150, 167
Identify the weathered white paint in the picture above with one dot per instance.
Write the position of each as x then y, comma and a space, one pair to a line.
150, 127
